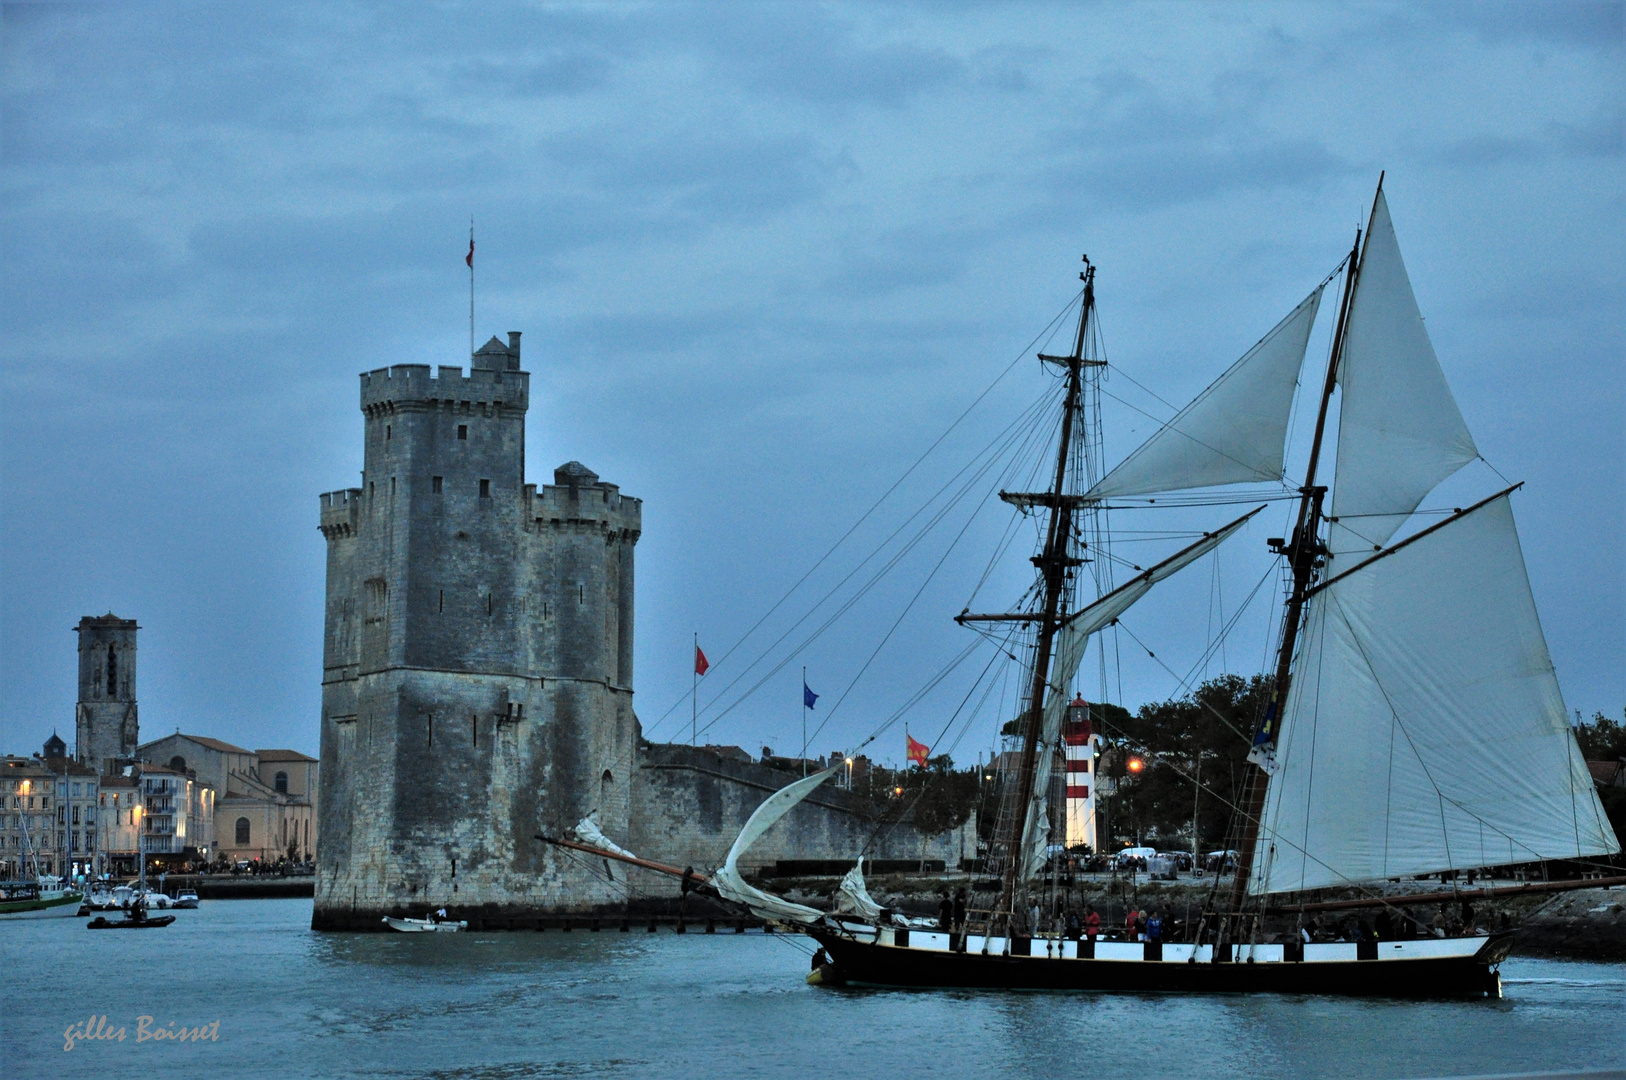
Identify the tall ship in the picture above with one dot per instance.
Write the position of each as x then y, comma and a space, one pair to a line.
1414, 724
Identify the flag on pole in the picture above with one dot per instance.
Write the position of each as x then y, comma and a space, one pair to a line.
809, 698
917, 750
700, 662
470, 258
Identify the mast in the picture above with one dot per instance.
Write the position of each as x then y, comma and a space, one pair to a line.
1305, 554
1053, 564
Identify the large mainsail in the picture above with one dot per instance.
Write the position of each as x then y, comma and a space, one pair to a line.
1234, 431
1399, 430
1071, 642
1424, 729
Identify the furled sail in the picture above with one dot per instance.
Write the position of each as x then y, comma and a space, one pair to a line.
1071, 642
1235, 430
1424, 728
588, 832
1399, 430
852, 895
728, 882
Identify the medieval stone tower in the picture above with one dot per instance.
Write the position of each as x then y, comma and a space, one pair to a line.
106, 730
477, 669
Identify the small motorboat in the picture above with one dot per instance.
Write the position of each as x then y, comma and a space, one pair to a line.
186, 898
103, 923
424, 926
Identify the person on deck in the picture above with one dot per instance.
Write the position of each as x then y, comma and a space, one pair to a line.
959, 910
945, 913
1140, 925
1092, 922
1154, 927
1131, 931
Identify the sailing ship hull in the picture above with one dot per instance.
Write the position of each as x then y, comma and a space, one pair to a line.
1452, 967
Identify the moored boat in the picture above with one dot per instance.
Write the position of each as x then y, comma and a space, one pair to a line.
424, 926
43, 898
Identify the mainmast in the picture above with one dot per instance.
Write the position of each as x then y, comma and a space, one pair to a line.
1305, 554
1054, 563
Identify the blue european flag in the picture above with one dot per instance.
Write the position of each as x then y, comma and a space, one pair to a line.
809, 698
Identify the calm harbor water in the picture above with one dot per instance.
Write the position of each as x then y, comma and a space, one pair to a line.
293, 1003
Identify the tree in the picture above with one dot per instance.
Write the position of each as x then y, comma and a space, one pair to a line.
1601, 740
945, 797
1205, 736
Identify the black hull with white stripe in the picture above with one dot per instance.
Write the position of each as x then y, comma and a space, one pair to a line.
1430, 967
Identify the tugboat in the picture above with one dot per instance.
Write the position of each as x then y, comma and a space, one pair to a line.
1413, 665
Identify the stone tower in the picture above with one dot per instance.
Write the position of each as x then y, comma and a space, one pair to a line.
106, 731
477, 668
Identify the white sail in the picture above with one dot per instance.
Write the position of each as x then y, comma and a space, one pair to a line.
1424, 728
1235, 430
728, 882
1399, 430
852, 895
588, 832
1071, 642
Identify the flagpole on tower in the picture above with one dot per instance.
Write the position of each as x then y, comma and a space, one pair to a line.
694, 693
804, 720
470, 261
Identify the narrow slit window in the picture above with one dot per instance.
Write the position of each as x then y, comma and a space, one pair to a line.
462, 431
435, 482
474, 729
485, 489
443, 599
112, 672
431, 719
386, 433
488, 603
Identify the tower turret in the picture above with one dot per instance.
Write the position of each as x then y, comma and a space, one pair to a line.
106, 728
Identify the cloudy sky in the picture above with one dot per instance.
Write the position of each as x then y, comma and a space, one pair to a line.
763, 257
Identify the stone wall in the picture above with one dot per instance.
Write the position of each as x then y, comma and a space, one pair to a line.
691, 802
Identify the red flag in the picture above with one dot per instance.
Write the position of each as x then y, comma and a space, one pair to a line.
917, 751
470, 259
700, 663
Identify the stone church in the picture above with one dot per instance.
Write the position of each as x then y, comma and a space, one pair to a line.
477, 682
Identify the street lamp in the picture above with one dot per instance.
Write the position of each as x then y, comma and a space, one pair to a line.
1135, 765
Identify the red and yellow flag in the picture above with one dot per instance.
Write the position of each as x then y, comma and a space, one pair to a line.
917, 751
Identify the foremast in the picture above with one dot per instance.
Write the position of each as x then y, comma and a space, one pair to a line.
1306, 554
1054, 562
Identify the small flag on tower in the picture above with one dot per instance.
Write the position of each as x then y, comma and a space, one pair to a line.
917, 750
470, 258
809, 698
700, 662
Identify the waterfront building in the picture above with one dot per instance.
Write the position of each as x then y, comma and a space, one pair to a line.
265, 800
177, 812
28, 803
77, 789
118, 820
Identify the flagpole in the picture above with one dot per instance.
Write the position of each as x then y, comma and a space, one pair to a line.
694, 692
471, 285
804, 720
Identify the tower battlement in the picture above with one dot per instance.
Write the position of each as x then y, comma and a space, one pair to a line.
340, 511
578, 497
418, 383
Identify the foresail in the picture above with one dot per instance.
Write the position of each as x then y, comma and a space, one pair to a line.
732, 886
1399, 430
1235, 430
1071, 642
1424, 728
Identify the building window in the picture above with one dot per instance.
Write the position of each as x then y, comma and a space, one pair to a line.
76, 815
462, 431
178, 763
281, 783
485, 489
112, 671
434, 484
386, 433
242, 832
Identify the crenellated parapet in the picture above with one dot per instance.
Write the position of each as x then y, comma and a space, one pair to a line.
482, 391
340, 512
577, 497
